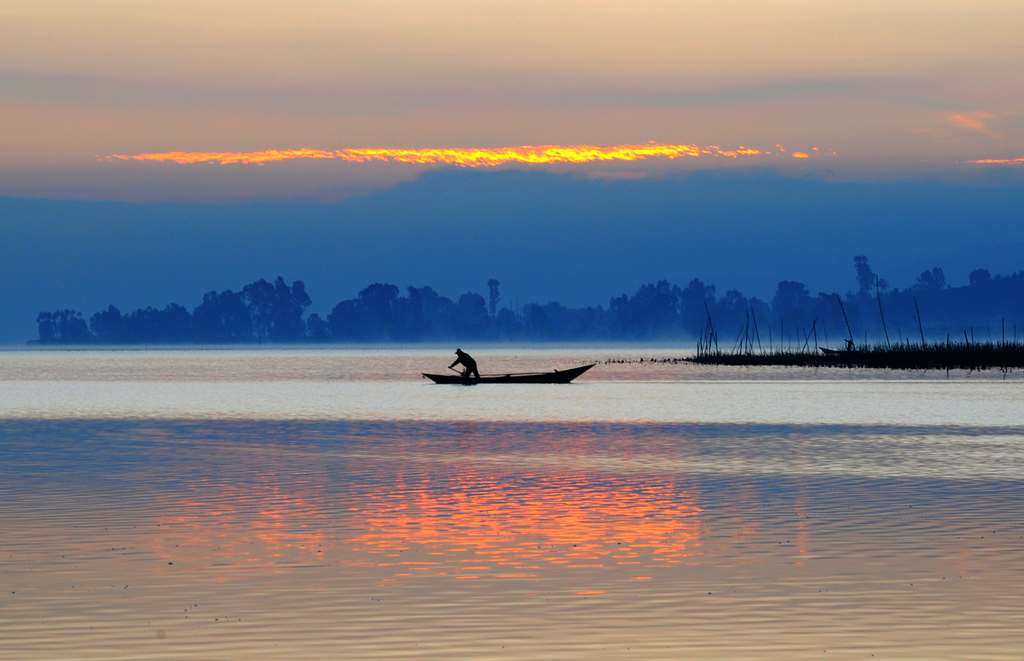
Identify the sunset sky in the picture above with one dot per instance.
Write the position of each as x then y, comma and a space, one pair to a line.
881, 88
574, 149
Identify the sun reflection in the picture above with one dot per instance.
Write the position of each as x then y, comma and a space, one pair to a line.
261, 527
478, 525
802, 527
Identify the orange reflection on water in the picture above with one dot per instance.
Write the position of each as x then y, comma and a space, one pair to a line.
802, 527
262, 527
479, 525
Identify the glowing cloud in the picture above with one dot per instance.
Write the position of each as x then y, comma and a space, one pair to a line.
998, 161
972, 121
469, 157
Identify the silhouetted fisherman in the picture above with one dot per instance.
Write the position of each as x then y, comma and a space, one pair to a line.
849, 345
467, 361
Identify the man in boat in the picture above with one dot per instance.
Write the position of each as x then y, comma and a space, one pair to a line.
463, 358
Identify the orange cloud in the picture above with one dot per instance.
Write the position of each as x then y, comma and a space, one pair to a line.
972, 121
470, 157
800, 154
998, 161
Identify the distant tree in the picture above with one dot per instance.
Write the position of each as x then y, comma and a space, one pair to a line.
108, 325
259, 298
346, 321
276, 309
792, 305
62, 327
379, 299
508, 324
371, 316
172, 324
292, 303
653, 311
493, 296
222, 317
144, 325
423, 313
731, 312
695, 300
175, 324
471, 316
866, 278
932, 280
47, 328
980, 277
72, 327
317, 329
535, 322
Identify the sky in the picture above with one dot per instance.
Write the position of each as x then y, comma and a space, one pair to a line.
881, 88
153, 150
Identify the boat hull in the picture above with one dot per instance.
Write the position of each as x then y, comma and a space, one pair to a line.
839, 353
556, 376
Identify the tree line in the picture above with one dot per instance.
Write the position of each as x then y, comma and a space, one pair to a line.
276, 312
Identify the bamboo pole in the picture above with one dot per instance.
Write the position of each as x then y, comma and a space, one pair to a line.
881, 314
920, 327
842, 308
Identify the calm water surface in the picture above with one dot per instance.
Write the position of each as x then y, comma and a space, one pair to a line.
329, 503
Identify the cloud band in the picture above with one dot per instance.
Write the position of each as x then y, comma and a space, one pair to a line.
470, 157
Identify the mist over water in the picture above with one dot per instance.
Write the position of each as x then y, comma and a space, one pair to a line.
260, 503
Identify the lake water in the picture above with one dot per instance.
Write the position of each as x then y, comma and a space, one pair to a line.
320, 503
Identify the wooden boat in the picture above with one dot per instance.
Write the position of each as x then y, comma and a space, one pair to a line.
839, 353
556, 376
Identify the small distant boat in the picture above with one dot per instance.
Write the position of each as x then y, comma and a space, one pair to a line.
839, 352
555, 376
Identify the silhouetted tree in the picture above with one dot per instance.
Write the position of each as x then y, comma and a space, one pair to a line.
535, 322
931, 280
274, 311
695, 301
792, 305
222, 317
471, 316
62, 327
426, 314
47, 327
866, 278
317, 329
509, 325
372, 316
653, 311
175, 324
493, 296
108, 325
980, 277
